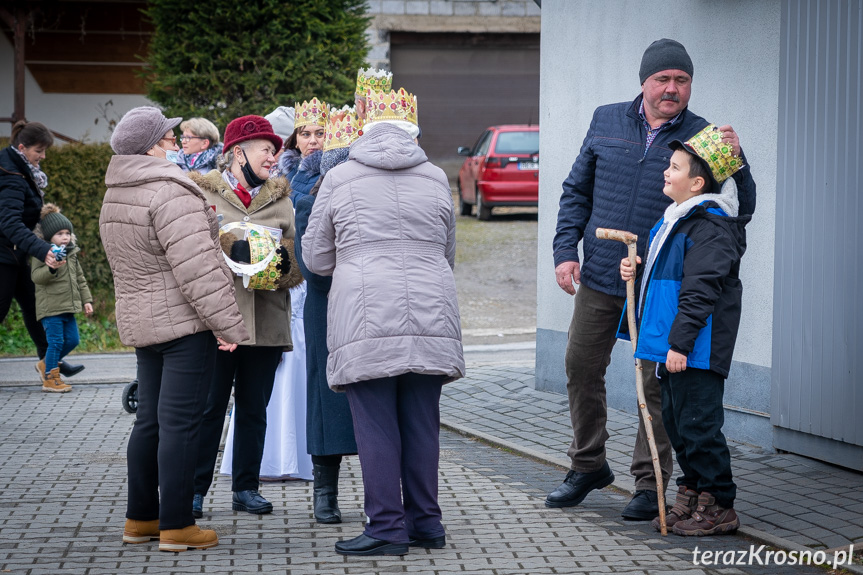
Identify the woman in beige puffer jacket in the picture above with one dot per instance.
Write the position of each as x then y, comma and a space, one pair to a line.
383, 226
174, 294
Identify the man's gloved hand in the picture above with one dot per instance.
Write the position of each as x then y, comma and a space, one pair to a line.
285, 265
240, 252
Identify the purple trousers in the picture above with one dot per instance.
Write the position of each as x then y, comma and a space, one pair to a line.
397, 427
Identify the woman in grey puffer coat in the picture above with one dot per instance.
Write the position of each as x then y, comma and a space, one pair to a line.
384, 227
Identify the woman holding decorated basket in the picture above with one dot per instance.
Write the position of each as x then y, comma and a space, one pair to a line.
257, 233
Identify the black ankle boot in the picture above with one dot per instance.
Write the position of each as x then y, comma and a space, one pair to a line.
326, 493
69, 369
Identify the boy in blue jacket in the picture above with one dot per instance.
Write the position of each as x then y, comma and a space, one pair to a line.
689, 312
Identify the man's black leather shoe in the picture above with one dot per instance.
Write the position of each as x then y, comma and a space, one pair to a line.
643, 506
365, 545
252, 501
69, 369
198, 506
576, 486
428, 542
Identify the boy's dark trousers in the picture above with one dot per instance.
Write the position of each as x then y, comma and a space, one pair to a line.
693, 416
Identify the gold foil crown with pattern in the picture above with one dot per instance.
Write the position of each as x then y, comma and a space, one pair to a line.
311, 113
391, 105
720, 158
373, 79
343, 127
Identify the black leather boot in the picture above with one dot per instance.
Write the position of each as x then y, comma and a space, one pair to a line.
69, 369
326, 493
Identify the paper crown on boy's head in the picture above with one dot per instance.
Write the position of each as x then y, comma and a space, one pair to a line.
373, 79
311, 113
343, 127
718, 155
714, 154
391, 105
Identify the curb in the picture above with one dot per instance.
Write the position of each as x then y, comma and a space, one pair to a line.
750, 532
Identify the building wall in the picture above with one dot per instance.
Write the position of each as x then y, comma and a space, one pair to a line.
817, 342
79, 116
736, 81
475, 16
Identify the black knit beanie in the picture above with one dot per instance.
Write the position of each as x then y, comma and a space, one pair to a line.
53, 221
662, 55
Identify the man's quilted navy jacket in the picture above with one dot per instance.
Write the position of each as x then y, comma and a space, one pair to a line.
613, 184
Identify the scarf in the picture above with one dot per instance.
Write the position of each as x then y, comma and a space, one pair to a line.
288, 161
246, 196
39, 176
726, 199
201, 160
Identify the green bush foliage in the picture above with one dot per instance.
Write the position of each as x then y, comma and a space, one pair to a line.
224, 59
76, 183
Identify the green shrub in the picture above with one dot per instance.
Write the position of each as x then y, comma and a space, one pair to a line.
224, 59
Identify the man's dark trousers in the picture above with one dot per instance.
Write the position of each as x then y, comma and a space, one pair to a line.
588, 354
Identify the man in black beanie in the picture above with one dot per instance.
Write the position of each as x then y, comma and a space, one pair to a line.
616, 182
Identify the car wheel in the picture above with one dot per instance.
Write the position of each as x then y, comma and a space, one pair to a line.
464, 208
483, 212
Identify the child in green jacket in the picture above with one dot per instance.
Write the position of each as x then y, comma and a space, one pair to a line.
60, 294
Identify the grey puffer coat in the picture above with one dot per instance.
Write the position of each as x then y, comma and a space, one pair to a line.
383, 226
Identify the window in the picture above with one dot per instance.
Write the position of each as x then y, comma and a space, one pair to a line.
517, 143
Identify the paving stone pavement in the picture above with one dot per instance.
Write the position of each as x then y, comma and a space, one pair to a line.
789, 500
62, 496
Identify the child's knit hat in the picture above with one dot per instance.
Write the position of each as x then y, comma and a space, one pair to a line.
53, 221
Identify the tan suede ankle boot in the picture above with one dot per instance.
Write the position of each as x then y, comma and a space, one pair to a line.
140, 531
54, 384
191, 537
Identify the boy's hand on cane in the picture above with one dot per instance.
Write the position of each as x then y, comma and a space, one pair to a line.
626, 271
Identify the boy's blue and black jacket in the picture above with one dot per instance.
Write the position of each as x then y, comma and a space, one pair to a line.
693, 299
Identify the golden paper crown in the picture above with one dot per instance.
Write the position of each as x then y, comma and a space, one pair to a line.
311, 113
373, 79
720, 158
391, 106
343, 127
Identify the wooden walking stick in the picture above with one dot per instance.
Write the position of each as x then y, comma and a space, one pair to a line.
630, 240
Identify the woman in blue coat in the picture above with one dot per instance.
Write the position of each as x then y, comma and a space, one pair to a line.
329, 425
301, 161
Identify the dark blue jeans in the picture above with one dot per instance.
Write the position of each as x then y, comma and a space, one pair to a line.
397, 426
62, 334
693, 416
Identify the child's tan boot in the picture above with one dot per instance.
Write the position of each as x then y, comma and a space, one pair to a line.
141, 531
54, 384
191, 537
40, 368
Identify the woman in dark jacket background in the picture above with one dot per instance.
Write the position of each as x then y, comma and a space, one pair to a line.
301, 161
329, 426
21, 191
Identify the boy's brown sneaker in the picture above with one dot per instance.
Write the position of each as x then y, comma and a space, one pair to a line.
54, 384
708, 519
686, 501
191, 537
140, 531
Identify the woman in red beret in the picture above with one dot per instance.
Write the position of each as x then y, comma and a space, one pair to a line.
241, 190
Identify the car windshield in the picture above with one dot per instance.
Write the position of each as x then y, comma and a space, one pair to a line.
517, 143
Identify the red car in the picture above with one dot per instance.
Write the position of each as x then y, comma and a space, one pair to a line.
502, 169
